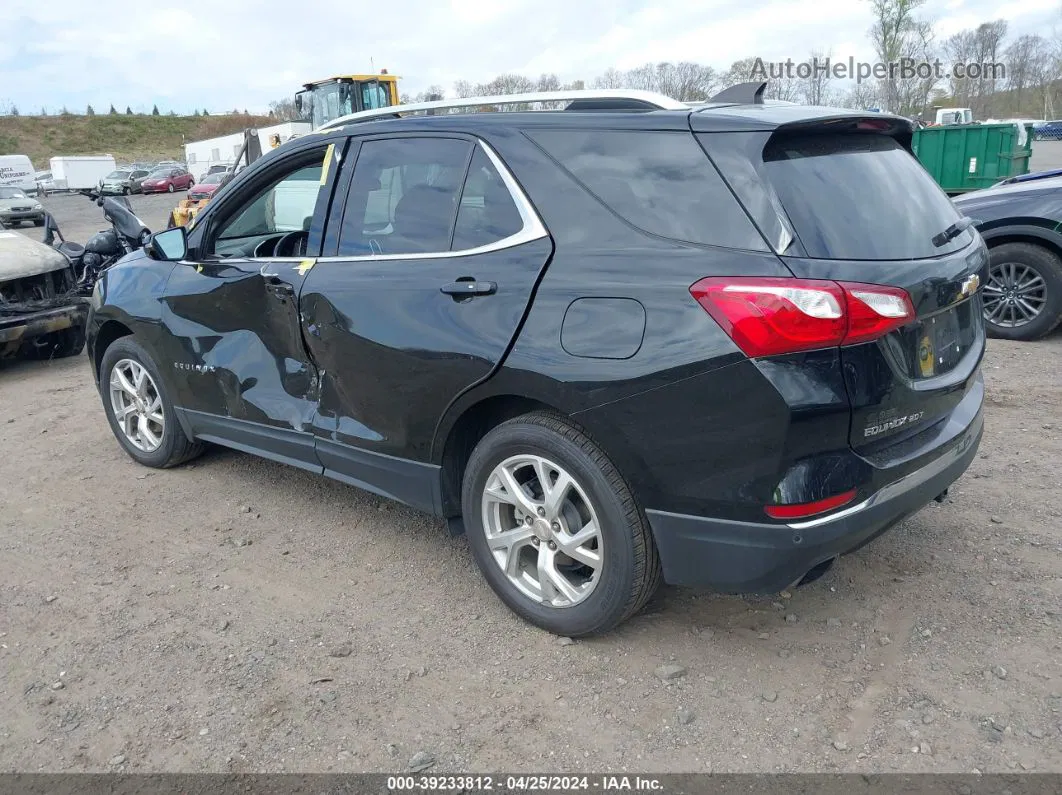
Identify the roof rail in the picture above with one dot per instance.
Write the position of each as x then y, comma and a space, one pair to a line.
742, 93
581, 99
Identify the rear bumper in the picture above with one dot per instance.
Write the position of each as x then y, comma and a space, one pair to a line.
747, 557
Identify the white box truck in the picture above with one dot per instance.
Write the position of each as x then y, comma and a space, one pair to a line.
81, 172
16, 171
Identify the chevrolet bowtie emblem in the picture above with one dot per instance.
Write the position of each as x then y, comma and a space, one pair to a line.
969, 287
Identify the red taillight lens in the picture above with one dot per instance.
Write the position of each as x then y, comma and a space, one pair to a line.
874, 311
803, 509
771, 316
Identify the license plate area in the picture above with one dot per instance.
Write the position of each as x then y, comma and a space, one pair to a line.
937, 344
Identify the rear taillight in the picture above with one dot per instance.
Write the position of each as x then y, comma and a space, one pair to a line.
770, 316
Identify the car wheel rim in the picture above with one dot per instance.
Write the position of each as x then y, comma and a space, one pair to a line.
137, 405
542, 531
1014, 296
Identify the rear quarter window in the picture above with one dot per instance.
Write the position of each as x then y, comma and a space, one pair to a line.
660, 182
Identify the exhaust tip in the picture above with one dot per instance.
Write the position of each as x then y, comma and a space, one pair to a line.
816, 572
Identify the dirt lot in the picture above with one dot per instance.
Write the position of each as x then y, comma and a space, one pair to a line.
238, 615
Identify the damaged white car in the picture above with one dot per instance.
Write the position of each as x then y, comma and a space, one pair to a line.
42, 316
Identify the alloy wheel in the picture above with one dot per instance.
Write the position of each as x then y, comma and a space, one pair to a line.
1014, 296
137, 405
542, 530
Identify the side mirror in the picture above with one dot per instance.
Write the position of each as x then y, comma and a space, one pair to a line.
168, 246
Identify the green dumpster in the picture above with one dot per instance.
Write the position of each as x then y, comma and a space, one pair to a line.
966, 157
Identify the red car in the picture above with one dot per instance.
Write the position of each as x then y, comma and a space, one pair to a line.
167, 179
207, 185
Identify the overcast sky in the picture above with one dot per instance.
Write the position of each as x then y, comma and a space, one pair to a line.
244, 53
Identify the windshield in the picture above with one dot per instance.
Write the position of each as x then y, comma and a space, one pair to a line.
212, 179
330, 101
861, 197
11, 193
160, 174
118, 175
374, 95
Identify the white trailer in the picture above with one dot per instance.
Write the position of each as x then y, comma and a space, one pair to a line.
80, 172
222, 151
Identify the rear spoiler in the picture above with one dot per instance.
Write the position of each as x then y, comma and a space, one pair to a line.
894, 126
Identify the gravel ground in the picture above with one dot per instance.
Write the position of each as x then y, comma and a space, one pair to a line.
237, 615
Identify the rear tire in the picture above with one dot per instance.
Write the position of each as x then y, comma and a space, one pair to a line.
1028, 267
610, 577
170, 188
174, 447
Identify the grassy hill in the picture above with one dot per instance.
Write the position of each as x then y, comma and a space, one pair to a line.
128, 138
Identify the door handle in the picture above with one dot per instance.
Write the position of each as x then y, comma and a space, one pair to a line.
469, 287
279, 288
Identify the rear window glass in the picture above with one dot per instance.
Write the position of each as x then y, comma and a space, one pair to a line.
659, 182
860, 197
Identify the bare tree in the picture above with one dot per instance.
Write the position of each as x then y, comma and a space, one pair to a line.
284, 110
464, 89
612, 78
899, 35
860, 96
817, 88
1023, 58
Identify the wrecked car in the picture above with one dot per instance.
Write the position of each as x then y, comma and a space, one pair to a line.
42, 315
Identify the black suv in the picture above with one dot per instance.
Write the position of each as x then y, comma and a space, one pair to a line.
612, 344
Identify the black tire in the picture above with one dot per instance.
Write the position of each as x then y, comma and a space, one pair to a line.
125, 190
1047, 265
170, 188
176, 448
56, 345
630, 571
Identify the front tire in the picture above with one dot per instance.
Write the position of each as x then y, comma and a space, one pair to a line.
138, 409
574, 556
169, 188
1023, 295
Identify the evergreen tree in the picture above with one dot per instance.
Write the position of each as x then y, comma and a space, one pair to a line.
14, 111
89, 111
154, 110
128, 111
113, 111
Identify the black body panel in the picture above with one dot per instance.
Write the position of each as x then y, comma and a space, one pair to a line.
364, 367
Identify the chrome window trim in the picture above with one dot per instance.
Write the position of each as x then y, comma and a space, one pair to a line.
533, 228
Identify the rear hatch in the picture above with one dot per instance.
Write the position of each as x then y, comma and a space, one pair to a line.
848, 202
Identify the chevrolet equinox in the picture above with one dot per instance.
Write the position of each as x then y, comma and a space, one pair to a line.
620, 342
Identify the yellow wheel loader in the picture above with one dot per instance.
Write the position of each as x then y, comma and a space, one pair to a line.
324, 100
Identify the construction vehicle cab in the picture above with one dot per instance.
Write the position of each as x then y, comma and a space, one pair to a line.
324, 100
